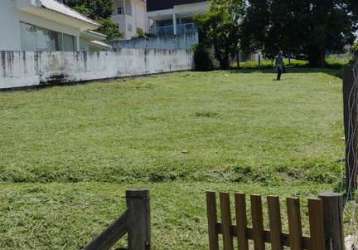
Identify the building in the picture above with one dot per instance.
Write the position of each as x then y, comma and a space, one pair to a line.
46, 25
131, 17
174, 17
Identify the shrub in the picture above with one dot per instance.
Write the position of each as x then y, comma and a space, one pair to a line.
202, 59
355, 49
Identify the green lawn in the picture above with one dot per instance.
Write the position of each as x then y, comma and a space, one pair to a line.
68, 153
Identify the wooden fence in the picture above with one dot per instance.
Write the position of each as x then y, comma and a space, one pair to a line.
325, 223
350, 105
135, 222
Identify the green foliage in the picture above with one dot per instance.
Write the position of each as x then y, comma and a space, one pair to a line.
202, 58
219, 28
140, 33
308, 27
110, 29
95, 9
355, 48
101, 11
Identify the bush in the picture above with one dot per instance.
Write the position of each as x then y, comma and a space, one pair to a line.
202, 59
355, 49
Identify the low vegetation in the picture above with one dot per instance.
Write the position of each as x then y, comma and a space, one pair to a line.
68, 153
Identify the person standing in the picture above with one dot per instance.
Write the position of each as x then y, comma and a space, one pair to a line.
279, 64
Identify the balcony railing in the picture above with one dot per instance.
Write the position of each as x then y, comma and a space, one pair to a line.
169, 29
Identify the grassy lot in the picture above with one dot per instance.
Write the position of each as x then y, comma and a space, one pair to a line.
69, 153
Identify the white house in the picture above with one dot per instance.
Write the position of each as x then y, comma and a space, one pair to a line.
174, 17
45, 25
131, 17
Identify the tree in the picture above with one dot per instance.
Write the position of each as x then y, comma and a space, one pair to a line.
309, 27
219, 28
99, 10
110, 29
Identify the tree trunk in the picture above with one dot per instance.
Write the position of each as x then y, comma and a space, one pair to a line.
225, 62
238, 59
316, 57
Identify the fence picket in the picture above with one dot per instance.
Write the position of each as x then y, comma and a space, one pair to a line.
325, 225
257, 222
226, 221
273, 203
294, 224
316, 219
212, 221
241, 221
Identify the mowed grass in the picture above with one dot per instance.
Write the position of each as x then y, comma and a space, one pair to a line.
68, 153
217, 126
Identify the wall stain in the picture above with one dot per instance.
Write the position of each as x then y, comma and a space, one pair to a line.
3, 62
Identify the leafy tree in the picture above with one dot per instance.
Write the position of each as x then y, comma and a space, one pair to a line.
355, 49
309, 27
99, 10
219, 28
110, 29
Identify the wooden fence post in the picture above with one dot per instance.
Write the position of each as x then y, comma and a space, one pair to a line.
350, 105
139, 232
333, 220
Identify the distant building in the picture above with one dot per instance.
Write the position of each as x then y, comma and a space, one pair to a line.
174, 17
131, 16
46, 25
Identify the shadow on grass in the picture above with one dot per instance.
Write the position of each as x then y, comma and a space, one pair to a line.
332, 69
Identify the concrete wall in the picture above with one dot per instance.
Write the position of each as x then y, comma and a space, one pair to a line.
20, 69
185, 41
9, 26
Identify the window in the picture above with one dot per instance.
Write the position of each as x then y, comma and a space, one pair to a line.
130, 27
120, 7
35, 38
69, 43
128, 7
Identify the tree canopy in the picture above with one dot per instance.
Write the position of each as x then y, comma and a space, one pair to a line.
99, 10
308, 28
219, 28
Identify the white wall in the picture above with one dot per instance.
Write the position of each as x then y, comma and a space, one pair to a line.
9, 26
20, 69
184, 41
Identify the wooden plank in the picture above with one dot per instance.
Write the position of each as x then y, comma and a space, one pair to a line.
267, 236
212, 221
294, 224
257, 222
316, 219
226, 221
241, 221
111, 235
274, 211
333, 220
139, 230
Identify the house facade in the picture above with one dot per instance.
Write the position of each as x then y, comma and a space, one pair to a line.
174, 17
45, 25
131, 17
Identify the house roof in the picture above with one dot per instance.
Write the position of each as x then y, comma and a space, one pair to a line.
65, 10
92, 35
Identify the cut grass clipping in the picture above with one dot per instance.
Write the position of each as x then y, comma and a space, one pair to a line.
69, 153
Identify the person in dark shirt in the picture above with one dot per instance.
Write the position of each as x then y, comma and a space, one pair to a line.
280, 65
